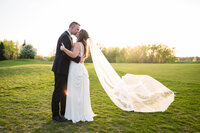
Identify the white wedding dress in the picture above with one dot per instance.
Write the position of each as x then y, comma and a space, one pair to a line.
78, 104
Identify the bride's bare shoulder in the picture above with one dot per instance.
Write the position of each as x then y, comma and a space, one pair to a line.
77, 44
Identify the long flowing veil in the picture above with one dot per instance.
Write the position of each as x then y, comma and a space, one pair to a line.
139, 93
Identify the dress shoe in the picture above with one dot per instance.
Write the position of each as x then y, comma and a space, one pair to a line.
58, 119
62, 116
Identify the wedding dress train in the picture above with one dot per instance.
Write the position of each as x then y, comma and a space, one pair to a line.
139, 93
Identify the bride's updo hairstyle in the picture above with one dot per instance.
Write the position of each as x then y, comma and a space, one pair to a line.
83, 36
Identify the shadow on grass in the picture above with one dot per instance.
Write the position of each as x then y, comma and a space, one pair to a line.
68, 126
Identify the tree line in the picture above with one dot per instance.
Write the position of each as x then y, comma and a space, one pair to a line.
139, 54
10, 50
189, 59
151, 53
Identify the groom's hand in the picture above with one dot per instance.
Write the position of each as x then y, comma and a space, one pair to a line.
82, 59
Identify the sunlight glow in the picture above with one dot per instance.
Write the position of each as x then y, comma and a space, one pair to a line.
66, 93
115, 23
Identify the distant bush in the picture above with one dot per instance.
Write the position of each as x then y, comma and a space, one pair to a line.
28, 52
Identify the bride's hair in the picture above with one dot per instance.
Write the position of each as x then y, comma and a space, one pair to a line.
83, 36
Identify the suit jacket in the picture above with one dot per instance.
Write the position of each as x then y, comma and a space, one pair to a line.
62, 60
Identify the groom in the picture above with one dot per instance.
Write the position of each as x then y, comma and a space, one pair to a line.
60, 69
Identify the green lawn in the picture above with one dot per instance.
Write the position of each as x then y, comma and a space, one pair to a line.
26, 88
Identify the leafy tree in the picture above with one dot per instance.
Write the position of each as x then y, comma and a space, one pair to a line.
113, 54
24, 43
16, 53
2, 52
194, 59
122, 57
9, 49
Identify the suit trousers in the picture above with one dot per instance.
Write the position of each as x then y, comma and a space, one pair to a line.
59, 96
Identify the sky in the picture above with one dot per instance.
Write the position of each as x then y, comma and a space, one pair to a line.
116, 23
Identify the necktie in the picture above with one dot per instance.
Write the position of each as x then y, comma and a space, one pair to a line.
71, 38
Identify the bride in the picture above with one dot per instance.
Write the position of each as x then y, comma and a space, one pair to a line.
78, 104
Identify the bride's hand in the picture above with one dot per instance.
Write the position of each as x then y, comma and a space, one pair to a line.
62, 47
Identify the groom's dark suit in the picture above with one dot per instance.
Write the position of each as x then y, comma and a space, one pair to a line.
60, 69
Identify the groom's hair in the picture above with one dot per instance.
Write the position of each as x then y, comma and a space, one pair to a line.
74, 24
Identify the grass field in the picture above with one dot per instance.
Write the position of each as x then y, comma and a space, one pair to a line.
26, 88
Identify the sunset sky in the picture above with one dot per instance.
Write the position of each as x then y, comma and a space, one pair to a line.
117, 23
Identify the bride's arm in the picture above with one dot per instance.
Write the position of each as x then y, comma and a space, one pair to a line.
73, 53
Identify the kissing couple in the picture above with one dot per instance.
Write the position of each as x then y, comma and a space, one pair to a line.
71, 78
